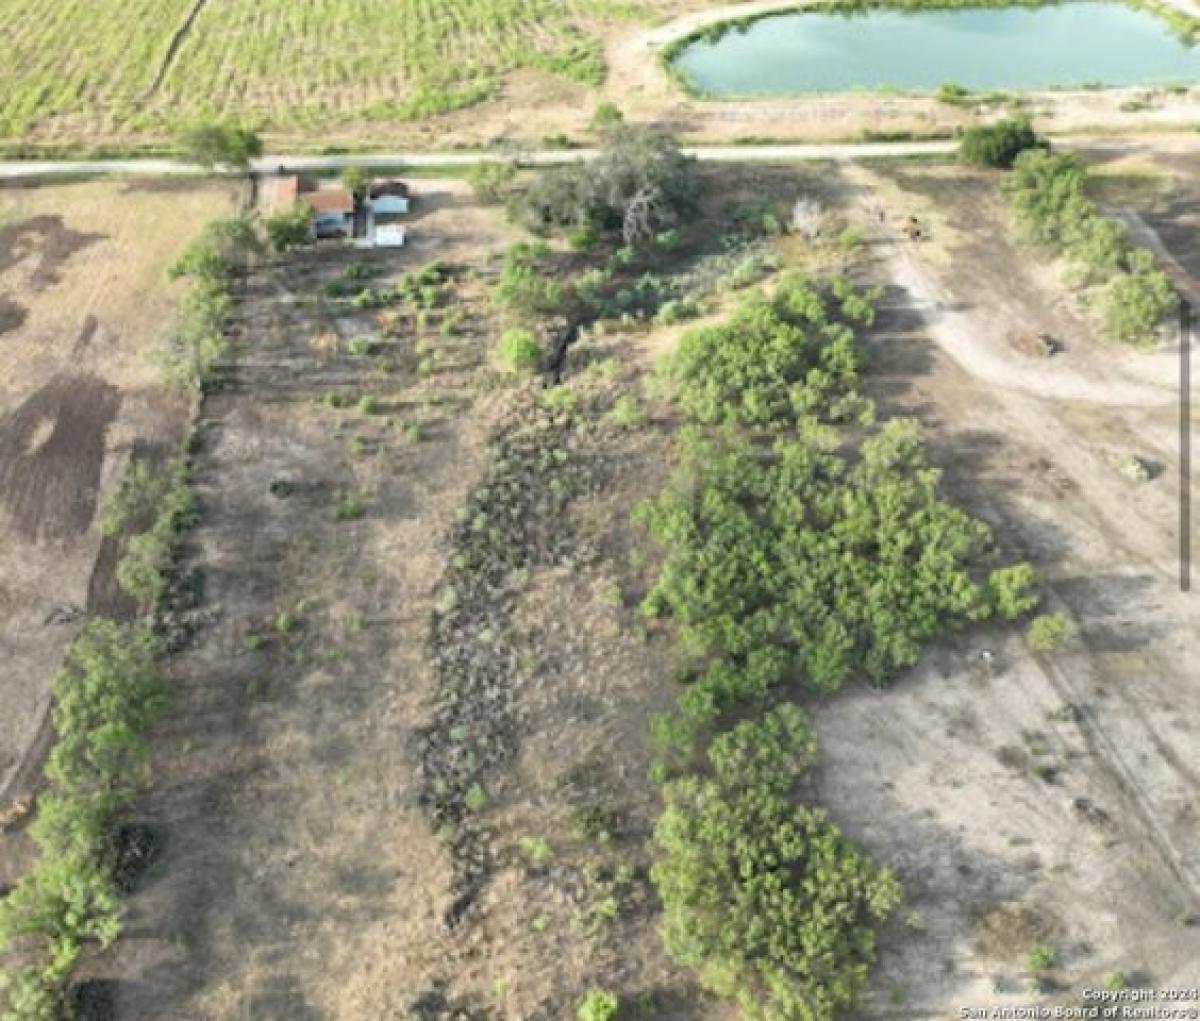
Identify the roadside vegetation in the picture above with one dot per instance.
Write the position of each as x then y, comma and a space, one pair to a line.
998, 145
1129, 293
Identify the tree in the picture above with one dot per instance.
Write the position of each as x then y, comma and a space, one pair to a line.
999, 144
355, 179
290, 228
492, 180
768, 902
640, 183
220, 143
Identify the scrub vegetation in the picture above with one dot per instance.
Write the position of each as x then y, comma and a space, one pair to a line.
1128, 291
789, 562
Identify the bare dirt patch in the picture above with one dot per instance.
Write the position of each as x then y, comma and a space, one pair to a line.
51, 452
1026, 783
83, 301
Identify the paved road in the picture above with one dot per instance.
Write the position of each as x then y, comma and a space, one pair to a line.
272, 164
542, 157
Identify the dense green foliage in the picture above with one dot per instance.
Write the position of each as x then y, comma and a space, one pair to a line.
1049, 196
209, 263
290, 228
525, 285
639, 184
844, 566
999, 144
105, 698
1048, 631
779, 358
220, 143
768, 902
167, 504
520, 351
598, 1005
789, 559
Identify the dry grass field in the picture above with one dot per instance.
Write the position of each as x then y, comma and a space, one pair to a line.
83, 302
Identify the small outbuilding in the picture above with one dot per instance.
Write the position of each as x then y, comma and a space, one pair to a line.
333, 212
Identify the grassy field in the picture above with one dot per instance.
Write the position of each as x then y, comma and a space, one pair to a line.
124, 69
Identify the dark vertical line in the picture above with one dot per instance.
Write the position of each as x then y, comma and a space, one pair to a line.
1185, 446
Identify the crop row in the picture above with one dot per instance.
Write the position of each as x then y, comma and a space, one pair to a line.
110, 67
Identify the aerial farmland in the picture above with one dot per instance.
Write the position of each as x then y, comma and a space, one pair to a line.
528, 511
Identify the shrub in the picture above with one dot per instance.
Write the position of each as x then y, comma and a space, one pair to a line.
998, 145
607, 115
1048, 192
1042, 957
105, 698
598, 1005
520, 351
627, 412
491, 181
1133, 304
1010, 591
778, 359
1047, 632
841, 567
290, 228
527, 284
144, 568
768, 902
355, 179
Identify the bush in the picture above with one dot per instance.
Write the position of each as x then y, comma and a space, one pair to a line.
356, 179
166, 498
998, 145
527, 284
627, 412
220, 143
1049, 195
778, 359
290, 228
491, 181
841, 567
520, 351
1047, 632
768, 902
1042, 957
1011, 591
598, 1005
607, 115
1133, 304
105, 698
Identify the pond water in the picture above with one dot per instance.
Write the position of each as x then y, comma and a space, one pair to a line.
1088, 42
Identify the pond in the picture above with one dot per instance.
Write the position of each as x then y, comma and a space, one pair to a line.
1089, 42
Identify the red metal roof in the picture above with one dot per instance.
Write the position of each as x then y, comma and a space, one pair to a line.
330, 200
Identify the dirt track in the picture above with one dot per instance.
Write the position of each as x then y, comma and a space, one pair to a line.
1046, 780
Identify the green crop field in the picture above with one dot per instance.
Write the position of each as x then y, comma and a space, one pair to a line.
103, 68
